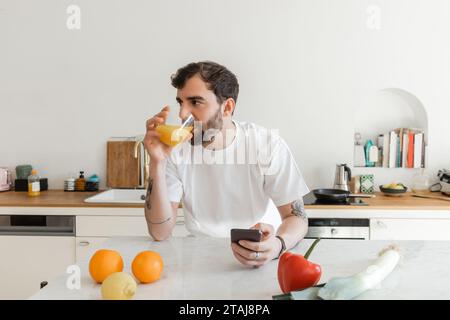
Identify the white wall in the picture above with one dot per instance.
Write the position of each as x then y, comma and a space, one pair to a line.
304, 66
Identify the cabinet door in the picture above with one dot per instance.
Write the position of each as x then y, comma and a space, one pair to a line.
409, 229
26, 261
86, 246
110, 226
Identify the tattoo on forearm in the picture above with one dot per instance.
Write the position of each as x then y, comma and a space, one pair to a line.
298, 209
148, 205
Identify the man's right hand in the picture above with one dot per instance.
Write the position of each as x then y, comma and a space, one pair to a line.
157, 150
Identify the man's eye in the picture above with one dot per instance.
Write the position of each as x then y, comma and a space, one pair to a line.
194, 102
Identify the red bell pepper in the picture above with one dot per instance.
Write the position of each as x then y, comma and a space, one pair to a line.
295, 272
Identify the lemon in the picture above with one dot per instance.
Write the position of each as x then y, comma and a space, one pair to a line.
118, 286
398, 186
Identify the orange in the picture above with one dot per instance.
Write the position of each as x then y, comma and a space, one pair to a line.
103, 263
147, 266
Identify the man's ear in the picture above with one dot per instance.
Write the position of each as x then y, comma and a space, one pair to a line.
229, 106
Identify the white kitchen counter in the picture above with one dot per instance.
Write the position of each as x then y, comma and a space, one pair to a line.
204, 268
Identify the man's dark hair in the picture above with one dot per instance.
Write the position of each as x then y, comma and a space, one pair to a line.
219, 79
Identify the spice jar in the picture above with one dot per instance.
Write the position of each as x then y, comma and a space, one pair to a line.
69, 184
80, 183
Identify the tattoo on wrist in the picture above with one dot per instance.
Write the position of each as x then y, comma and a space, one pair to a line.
298, 209
148, 205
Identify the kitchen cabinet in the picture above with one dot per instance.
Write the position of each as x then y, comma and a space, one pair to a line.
34, 249
409, 229
33, 254
113, 226
110, 226
92, 231
26, 261
86, 245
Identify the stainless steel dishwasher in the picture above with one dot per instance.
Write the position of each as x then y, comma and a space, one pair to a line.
34, 249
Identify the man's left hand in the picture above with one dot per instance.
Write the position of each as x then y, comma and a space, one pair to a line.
256, 254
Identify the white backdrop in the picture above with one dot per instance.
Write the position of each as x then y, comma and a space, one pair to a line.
304, 67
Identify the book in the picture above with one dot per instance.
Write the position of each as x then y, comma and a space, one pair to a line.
423, 150
380, 141
404, 149
418, 141
410, 155
385, 150
400, 148
392, 149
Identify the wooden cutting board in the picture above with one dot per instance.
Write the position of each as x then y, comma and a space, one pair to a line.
122, 168
423, 195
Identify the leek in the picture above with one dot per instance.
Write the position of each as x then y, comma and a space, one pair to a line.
343, 288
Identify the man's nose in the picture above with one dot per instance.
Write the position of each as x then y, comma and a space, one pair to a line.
184, 113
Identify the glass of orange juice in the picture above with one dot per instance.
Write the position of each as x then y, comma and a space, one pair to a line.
173, 134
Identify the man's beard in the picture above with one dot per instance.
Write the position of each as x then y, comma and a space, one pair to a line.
214, 127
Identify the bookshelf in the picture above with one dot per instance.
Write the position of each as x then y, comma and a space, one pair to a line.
387, 110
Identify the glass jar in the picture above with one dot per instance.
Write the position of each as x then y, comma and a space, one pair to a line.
421, 181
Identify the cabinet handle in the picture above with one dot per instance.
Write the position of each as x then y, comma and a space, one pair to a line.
84, 243
334, 231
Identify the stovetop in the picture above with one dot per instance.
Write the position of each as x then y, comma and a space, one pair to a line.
310, 199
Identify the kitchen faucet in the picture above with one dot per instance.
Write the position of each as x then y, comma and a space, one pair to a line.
144, 166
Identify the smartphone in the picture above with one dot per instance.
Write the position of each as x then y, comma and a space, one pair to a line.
254, 235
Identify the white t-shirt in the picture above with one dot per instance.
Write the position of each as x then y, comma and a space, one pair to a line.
235, 187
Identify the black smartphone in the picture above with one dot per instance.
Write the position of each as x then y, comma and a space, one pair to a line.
254, 235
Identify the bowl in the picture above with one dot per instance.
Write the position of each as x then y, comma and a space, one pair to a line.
393, 192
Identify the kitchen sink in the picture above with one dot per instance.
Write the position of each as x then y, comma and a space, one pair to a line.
119, 196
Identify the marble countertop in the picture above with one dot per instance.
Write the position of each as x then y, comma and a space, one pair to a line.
204, 268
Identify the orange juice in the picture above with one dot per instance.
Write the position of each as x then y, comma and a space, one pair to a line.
171, 135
